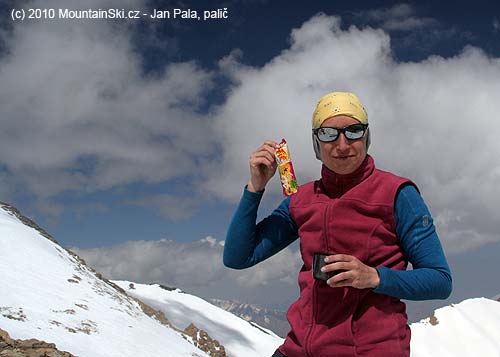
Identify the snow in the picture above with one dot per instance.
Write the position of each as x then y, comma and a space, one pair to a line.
470, 328
240, 338
49, 295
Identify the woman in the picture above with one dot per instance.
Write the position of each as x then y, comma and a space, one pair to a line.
369, 223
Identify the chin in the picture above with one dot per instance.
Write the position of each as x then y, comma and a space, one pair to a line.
342, 168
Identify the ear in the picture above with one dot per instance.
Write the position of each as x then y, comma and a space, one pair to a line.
368, 139
316, 148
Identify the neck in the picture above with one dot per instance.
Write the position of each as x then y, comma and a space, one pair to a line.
336, 184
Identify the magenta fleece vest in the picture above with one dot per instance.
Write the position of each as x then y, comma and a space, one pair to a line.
347, 214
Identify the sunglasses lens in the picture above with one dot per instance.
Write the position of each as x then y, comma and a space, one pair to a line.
351, 132
327, 134
354, 132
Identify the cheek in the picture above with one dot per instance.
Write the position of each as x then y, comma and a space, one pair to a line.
360, 146
325, 147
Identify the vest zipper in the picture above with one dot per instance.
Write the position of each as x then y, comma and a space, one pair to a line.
308, 342
325, 230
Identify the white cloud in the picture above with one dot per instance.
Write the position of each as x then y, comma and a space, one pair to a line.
400, 17
408, 24
433, 121
77, 113
396, 11
496, 24
195, 267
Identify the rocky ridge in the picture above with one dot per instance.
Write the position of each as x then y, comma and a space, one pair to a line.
204, 342
34, 348
28, 348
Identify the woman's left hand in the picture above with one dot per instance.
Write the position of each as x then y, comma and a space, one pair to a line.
355, 274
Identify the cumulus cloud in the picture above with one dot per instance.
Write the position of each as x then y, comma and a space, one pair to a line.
433, 121
78, 113
400, 17
196, 267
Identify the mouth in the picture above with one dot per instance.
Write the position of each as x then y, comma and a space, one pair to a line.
343, 157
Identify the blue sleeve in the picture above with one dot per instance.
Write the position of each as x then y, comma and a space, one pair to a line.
431, 276
248, 243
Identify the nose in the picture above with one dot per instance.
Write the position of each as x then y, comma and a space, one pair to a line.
342, 143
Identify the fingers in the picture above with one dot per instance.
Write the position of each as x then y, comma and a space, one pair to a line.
262, 157
339, 262
269, 145
262, 166
266, 150
342, 279
354, 272
343, 262
339, 258
337, 266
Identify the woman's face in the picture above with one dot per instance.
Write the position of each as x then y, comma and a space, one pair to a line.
342, 156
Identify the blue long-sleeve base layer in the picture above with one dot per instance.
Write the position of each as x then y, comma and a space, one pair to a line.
248, 243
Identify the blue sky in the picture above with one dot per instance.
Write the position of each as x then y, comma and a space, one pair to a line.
261, 30
119, 133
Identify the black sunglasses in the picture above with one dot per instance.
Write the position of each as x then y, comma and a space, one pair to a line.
351, 132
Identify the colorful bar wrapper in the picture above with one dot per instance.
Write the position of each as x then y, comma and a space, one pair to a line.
285, 167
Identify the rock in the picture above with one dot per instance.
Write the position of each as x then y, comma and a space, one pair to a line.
204, 342
28, 348
4, 336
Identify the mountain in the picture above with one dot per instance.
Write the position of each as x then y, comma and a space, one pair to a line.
50, 294
272, 319
16, 348
470, 328
239, 337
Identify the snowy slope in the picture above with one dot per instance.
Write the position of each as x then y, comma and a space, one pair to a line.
48, 294
470, 328
240, 338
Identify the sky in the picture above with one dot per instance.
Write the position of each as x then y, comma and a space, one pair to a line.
128, 139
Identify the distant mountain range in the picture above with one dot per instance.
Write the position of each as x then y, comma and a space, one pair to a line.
274, 320
51, 295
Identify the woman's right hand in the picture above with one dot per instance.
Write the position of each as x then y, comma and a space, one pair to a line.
262, 166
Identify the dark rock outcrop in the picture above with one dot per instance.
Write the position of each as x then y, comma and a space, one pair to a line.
204, 342
28, 348
28, 222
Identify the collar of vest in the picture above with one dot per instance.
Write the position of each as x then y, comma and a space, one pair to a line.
335, 185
